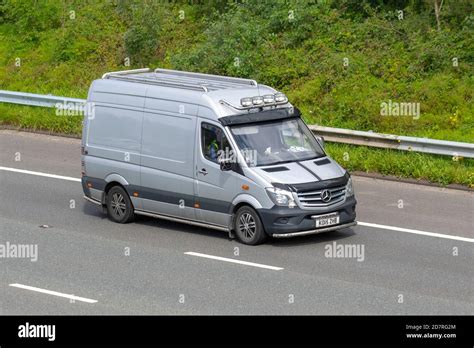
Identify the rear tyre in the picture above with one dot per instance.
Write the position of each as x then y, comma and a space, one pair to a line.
248, 226
119, 205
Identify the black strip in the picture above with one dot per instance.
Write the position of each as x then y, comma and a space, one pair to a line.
161, 195
138, 330
310, 186
282, 186
322, 162
275, 169
309, 170
261, 116
214, 205
175, 198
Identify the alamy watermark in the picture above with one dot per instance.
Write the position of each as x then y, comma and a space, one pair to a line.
75, 109
230, 156
392, 108
20, 251
345, 251
37, 331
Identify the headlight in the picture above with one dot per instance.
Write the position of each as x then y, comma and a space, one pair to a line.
349, 188
281, 197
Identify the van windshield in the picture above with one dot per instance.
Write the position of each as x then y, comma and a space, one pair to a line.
275, 142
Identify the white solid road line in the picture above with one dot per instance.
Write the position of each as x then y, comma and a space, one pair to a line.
368, 224
234, 261
54, 176
54, 293
423, 233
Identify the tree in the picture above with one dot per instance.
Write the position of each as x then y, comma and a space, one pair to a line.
438, 6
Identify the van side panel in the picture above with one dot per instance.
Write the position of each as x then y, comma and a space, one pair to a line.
116, 129
112, 136
167, 159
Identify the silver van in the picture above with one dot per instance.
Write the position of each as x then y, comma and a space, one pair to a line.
214, 151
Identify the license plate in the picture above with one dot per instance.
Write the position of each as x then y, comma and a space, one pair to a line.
327, 220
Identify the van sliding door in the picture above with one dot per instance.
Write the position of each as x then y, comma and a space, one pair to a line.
167, 164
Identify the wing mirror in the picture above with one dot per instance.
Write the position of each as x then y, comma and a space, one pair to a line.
320, 141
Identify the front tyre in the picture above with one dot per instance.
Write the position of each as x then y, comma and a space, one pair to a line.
119, 205
248, 226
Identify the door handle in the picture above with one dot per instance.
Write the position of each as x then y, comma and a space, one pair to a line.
203, 171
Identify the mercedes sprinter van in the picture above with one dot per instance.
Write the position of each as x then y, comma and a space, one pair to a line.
214, 151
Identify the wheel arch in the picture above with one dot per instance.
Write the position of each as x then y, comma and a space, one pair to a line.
244, 200
112, 180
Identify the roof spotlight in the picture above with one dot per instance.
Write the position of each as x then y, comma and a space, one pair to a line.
280, 98
269, 99
246, 102
257, 100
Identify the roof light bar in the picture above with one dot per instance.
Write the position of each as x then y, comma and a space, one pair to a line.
266, 100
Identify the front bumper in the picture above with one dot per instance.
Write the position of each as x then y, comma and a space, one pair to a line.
289, 222
315, 231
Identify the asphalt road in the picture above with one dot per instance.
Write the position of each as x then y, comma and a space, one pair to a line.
143, 268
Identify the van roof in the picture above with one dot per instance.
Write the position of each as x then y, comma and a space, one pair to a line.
222, 94
180, 79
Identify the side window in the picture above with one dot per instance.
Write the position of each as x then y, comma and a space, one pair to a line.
213, 142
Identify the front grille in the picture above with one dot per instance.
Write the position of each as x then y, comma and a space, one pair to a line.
312, 199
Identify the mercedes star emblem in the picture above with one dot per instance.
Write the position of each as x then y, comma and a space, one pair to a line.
326, 196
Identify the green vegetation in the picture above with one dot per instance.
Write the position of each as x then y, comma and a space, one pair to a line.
337, 60
38, 118
438, 169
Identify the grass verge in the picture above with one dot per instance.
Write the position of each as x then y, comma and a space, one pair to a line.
39, 118
442, 170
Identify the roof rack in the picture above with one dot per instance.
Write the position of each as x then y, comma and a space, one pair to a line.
125, 72
179, 79
133, 76
218, 78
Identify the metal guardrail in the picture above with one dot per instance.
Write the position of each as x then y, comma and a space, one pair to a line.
338, 135
32, 99
398, 142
